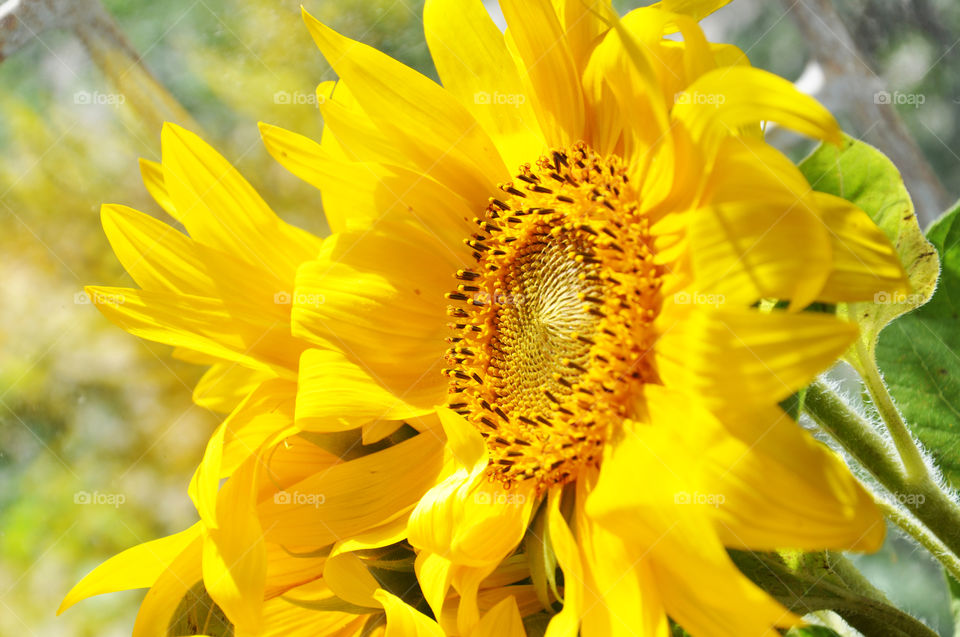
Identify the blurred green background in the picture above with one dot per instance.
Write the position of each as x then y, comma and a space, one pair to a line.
87, 409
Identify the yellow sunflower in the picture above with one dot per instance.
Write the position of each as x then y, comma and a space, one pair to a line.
568, 252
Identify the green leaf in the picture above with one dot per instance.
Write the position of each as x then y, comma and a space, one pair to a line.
864, 176
920, 357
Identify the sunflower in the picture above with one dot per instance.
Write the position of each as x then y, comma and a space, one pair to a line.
581, 254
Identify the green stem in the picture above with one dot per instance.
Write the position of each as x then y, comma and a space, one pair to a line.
919, 495
913, 463
922, 535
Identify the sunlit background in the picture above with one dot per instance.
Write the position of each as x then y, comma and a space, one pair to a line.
98, 436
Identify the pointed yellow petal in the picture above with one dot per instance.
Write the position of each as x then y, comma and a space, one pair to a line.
747, 250
865, 263
345, 499
697, 9
137, 567
503, 620
349, 579
404, 621
566, 623
554, 77
766, 356
220, 209
740, 96
244, 335
438, 134
434, 574
474, 64
336, 395
162, 600
225, 385
805, 498
470, 520
234, 553
152, 174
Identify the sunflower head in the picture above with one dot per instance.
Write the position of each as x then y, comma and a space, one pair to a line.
553, 324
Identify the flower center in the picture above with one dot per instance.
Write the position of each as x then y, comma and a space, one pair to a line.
554, 323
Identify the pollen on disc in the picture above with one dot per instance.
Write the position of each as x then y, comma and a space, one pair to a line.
553, 324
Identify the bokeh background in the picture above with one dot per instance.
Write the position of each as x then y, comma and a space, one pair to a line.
98, 436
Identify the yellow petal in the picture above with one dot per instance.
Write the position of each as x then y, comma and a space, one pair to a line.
161, 601
697, 9
740, 96
474, 64
220, 209
438, 134
404, 621
336, 395
470, 520
621, 595
137, 567
566, 623
802, 499
283, 618
229, 332
349, 579
225, 385
358, 195
503, 620
152, 174
348, 498
865, 263
434, 574
234, 553
766, 356
542, 45
677, 545
744, 251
